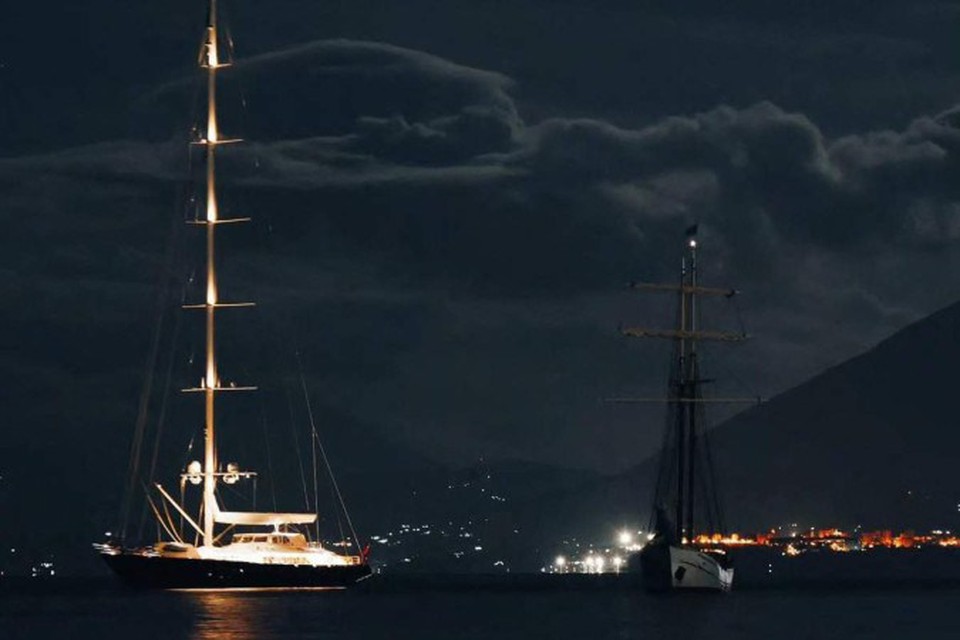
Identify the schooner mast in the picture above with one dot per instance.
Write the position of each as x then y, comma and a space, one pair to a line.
685, 397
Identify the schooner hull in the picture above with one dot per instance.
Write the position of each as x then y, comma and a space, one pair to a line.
672, 568
157, 572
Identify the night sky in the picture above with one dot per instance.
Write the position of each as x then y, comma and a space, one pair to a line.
451, 196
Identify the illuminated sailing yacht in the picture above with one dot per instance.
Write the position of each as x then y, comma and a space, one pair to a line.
281, 555
685, 499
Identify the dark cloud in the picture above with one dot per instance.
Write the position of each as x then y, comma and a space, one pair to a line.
455, 269
322, 88
850, 66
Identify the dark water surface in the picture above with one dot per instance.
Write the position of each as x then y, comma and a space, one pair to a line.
488, 610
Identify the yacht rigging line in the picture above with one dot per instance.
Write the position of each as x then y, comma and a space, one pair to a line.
326, 461
164, 403
171, 256
314, 440
266, 443
296, 449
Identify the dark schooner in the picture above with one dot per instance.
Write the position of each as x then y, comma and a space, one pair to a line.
685, 498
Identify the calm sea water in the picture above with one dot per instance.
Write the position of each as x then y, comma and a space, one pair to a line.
485, 612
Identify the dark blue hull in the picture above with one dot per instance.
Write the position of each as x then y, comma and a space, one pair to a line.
153, 572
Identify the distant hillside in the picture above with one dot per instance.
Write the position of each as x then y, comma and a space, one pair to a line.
873, 441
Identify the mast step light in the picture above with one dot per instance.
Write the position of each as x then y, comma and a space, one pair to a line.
218, 389
219, 305
217, 142
218, 221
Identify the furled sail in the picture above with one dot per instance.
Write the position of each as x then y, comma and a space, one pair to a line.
257, 518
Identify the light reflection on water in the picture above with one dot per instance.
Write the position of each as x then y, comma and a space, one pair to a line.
253, 614
428, 615
440, 613
229, 615
506, 615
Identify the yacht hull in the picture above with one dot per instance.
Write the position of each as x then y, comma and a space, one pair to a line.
158, 572
668, 567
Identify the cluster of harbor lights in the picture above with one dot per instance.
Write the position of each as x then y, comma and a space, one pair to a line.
607, 560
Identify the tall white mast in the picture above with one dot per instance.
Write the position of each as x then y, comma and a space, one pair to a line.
211, 61
210, 384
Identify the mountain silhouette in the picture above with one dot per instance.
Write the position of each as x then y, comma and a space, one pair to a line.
871, 442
